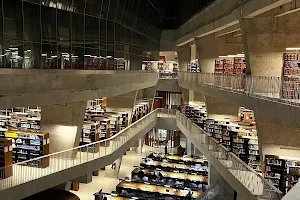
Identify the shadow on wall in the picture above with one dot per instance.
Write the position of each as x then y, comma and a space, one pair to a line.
52, 194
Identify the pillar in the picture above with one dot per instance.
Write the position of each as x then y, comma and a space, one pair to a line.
123, 102
275, 137
196, 96
266, 38
189, 147
214, 177
87, 178
184, 56
64, 124
219, 109
212, 46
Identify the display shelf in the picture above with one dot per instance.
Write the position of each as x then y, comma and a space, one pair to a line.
6, 158
291, 74
90, 134
239, 65
29, 145
193, 66
276, 172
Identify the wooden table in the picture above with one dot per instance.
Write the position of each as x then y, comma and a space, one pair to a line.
157, 189
183, 176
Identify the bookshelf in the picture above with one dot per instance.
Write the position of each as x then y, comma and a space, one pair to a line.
6, 158
291, 75
29, 145
193, 66
282, 172
90, 134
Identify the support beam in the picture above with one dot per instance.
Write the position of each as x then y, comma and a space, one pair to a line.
219, 109
266, 38
184, 56
64, 124
122, 103
214, 177
277, 137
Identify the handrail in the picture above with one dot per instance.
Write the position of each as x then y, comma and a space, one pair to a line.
268, 190
270, 88
86, 145
253, 171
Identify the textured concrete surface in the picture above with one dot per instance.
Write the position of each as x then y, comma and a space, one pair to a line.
222, 14
64, 124
220, 109
48, 87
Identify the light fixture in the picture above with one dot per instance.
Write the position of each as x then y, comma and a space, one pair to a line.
293, 48
53, 56
108, 56
44, 54
87, 55
240, 54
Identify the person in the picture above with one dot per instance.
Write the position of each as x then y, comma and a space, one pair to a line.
141, 174
151, 156
189, 195
113, 166
104, 198
166, 149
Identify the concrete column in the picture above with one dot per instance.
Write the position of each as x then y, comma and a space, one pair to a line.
266, 38
148, 93
219, 109
214, 177
123, 102
196, 96
276, 137
64, 186
184, 56
196, 151
189, 147
212, 46
87, 178
64, 124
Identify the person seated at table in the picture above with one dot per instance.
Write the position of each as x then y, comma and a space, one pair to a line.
145, 179
170, 182
194, 185
151, 156
189, 195
124, 193
185, 155
200, 186
141, 174
159, 175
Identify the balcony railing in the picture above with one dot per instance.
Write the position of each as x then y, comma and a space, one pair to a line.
59, 161
254, 182
168, 75
272, 88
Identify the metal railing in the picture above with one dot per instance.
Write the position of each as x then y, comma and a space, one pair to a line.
272, 88
167, 113
168, 75
254, 182
22, 172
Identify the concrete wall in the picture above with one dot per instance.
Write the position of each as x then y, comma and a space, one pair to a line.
277, 137
211, 47
121, 103
222, 14
267, 38
48, 87
170, 55
167, 41
184, 56
64, 124
220, 109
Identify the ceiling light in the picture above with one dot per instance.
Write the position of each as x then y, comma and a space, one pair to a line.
293, 49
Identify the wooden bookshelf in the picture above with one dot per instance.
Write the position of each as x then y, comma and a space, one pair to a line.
6, 158
29, 145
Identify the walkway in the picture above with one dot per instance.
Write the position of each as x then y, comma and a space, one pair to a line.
108, 184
